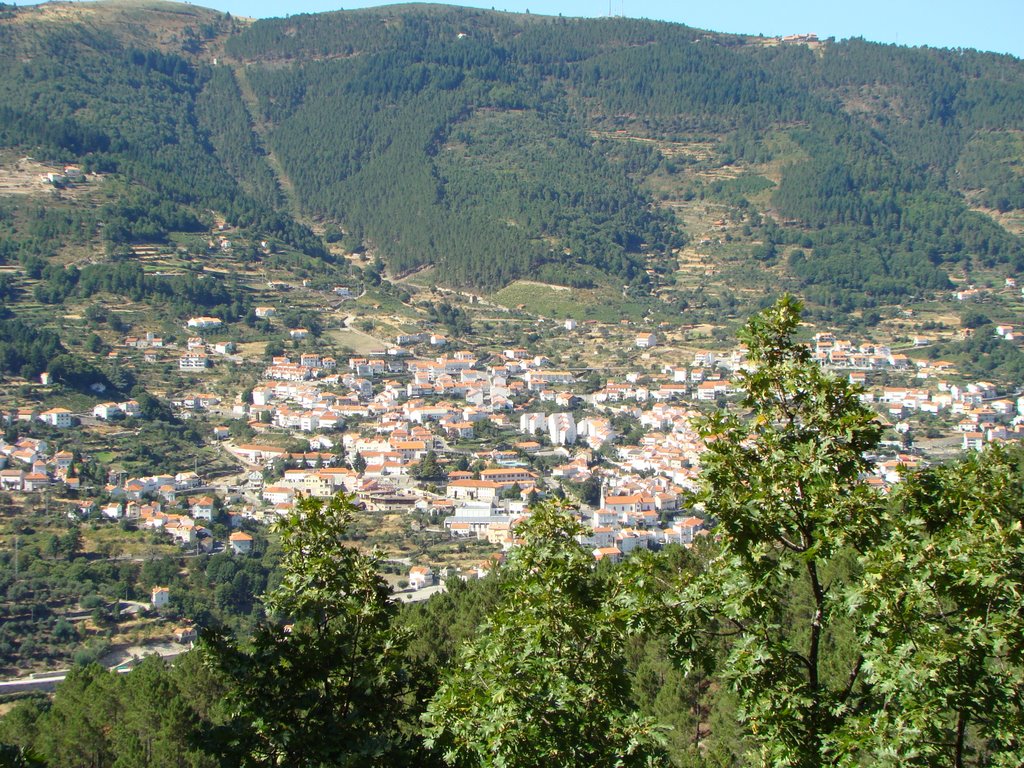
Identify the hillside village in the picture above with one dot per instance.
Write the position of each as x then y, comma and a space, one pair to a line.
439, 429
467, 439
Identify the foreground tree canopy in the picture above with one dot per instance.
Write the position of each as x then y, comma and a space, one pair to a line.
544, 683
323, 682
786, 488
939, 612
822, 624
852, 629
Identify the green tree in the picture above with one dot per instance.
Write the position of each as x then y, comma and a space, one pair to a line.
427, 468
158, 726
544, 684
323, 682
590, 491
75, 732
19, 731
154, 409
359, 463
785, 487
71, 542
94, 344
512, 492
941, 621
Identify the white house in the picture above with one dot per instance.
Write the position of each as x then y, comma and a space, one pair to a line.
106, 411
12, 479
202, 508
420, 576
646, 340
57, 417
114, 510
404, 339
160, 597
130, 408
612, 554
204, 322
481, 490
278, 494
241, 542
973, 441
193, 361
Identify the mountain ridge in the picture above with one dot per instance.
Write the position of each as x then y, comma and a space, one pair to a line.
496, 146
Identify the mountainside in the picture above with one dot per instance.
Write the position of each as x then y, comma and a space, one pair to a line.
494, 146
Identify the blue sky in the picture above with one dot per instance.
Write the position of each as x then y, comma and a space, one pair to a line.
989, 25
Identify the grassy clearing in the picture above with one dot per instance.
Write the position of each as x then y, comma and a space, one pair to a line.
603, 303
541, 299
380, 302
109, 540
785, 152
360, 343
425, 277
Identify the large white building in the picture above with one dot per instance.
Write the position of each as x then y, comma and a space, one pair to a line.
204, 322
529, 423
562, 428
192, 361
57, 417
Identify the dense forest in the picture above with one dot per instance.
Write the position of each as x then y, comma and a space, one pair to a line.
821, 623
146, 114
876, 205
484, 143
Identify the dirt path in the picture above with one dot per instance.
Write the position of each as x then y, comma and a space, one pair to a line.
261, 128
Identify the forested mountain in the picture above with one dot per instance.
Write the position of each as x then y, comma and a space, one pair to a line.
497, 146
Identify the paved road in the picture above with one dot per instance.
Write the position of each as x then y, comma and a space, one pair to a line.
124, 660
418, 595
